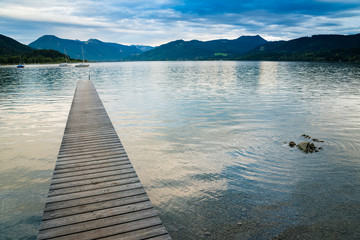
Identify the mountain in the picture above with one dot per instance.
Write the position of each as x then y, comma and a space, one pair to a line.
314, 48
94, 50
143, 48
199, 50
9, 46
11, 52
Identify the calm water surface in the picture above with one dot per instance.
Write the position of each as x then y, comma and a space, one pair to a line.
207, 140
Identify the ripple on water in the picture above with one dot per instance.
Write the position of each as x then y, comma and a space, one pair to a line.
206, 139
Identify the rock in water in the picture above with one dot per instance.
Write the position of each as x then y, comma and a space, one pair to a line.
303, 146
317, 140
292, 144
306, 136
311, 147
307, 147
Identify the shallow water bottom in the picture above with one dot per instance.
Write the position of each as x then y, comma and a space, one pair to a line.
207, 140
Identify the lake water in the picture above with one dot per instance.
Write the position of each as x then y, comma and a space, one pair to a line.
207, 139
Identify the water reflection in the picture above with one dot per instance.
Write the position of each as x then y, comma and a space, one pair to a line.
268, 76
217, 142
34, 103
207, 141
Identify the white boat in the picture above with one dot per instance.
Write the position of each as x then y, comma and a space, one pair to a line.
83, 64
65, 64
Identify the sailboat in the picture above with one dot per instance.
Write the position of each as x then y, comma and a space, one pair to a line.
83, 63
65, 64
20, 65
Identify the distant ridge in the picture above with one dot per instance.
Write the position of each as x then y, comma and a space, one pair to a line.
314, 48
199, 50
95, 50
11, 52
313, 43
143, 48
338, 48
9, 46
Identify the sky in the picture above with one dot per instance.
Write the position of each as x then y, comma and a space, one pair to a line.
156, 22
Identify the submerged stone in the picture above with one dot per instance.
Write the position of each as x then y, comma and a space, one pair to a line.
303, 146
311, 147
317, 140
307, 147
306, 136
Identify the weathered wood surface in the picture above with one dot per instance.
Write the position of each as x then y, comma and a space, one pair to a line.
95, 192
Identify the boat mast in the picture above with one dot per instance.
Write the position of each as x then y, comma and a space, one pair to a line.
82, 50
65, 55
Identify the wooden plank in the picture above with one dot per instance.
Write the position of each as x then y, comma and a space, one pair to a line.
91, 145
93, 137
146, 233
102, 213
113, 229
90, 160
82, 202
93, 186
100, 164
91, 164
96, 137
95, 192
92, 181
92, 176
95, 224
91, 155
90, 171
63, 212
90, 148
88, 141
95, 133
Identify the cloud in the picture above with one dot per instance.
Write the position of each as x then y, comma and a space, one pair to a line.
159, 21
308, 7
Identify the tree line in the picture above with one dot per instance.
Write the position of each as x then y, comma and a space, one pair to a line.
36, 56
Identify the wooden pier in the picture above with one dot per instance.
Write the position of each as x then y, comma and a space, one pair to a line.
95, 192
